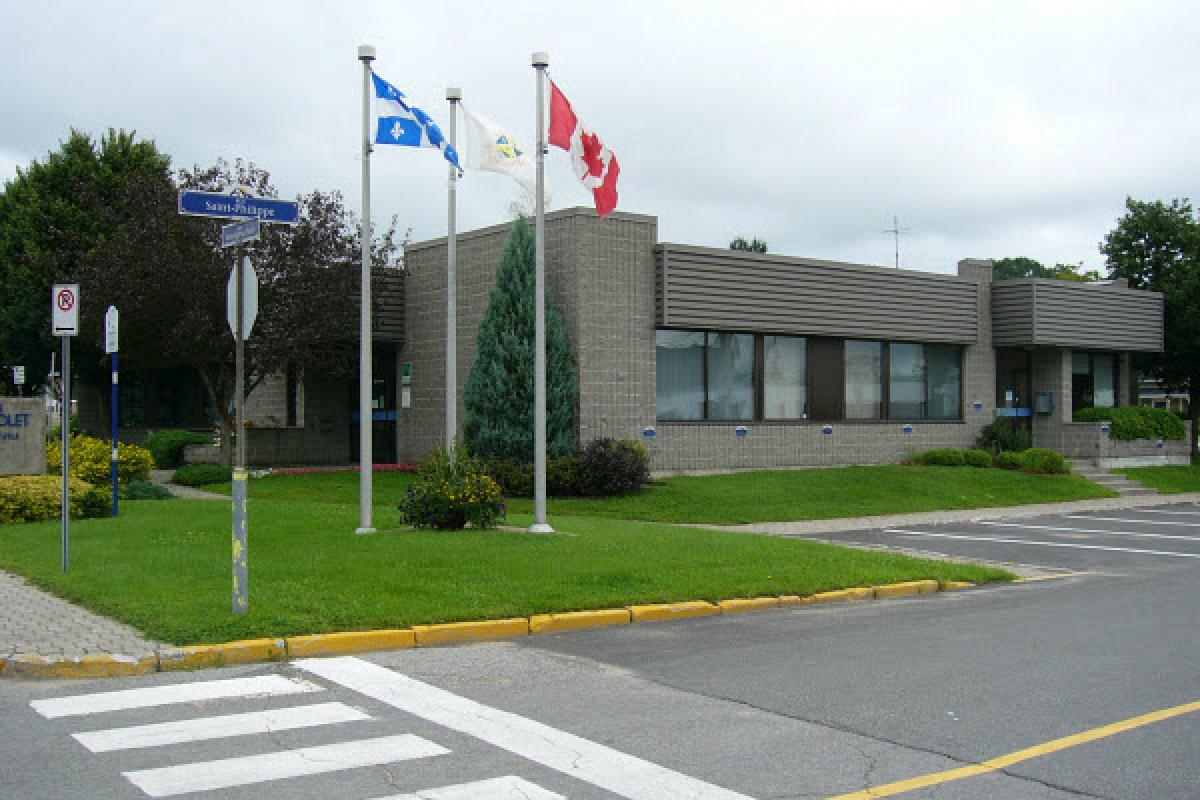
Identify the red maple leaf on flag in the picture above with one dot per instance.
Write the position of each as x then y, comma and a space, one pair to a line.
595, 165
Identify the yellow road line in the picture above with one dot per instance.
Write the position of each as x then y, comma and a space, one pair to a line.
1000, 762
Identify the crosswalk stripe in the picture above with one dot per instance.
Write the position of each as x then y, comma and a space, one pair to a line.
205, 776
1072, 545
1162, 511
205, 728
601, 766
261, 686
1136, 521
510, 787
1100, 531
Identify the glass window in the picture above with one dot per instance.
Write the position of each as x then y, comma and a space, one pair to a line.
731, 376
784, 388
680, 374
906, 383
943, 383
864, 375
1104, 385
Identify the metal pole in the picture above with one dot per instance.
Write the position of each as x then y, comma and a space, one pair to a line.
366, 54
240, 543
65, 429
454, 95
114, 431
540, 62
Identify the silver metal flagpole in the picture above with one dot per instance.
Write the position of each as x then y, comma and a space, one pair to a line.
366, 54
454, 95
540, 62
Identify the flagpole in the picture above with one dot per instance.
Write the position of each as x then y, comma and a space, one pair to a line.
366, 54
540, 62
454, 95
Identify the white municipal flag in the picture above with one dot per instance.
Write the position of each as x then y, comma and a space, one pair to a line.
492, 148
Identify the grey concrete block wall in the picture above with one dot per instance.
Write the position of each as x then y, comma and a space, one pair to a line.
22, 436
323, 438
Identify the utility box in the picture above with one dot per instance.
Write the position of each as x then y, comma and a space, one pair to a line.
1043, 403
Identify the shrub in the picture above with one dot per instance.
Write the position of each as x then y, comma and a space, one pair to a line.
1045, 462
611, 467
453, 491
1005, 434
202, 474
167, 446
91, 460
515, 479
144, 490
941, 458
96, 502
562, 476
1135, 422
30, 498
977, 458
1008, 459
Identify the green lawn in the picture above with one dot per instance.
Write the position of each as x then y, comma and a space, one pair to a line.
745, 497
1168, 480
164, 566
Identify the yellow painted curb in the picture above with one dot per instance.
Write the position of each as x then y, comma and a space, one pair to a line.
454, 632
246, 651
790, 599
827, 597
579, 620
860, 593
906, 588
953, 585
99, 665
3, 665
664, 611
330, 644
739, 604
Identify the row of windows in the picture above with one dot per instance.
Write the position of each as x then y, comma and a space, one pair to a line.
706, 375
1093, 380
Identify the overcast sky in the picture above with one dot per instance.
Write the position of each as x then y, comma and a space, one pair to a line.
991, 129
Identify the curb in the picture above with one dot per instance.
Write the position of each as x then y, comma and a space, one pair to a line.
254, 651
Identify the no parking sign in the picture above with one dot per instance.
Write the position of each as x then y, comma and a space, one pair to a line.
64, 309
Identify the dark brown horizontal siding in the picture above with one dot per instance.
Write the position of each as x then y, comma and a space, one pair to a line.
715, 289
387, 301
1065, 314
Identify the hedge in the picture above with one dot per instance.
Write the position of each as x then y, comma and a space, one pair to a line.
91, 460
167, 446
1136, 422
31, 498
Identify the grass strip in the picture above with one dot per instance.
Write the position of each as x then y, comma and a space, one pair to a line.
164, 567
1168, 480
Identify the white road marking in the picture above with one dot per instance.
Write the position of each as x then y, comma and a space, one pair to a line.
509, 787
205, 728
261, 686
1100, 531
1162, 511
1136, 521
1045, 544
601, 766
205, 776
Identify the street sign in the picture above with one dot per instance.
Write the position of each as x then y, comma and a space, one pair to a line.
110, 330
18, 376
238, 232
249, 302
238, 206
64, 307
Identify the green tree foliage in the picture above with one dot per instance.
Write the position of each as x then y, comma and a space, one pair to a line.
1022, 267
755, 245
499, 391
1157, 246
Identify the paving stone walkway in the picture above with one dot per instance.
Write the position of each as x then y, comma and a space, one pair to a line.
35, 623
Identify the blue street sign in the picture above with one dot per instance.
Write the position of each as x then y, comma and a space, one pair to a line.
236, 206
238, 232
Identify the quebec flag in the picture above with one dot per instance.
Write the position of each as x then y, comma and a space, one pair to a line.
406, 125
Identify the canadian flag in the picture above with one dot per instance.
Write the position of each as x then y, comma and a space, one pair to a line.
594, 163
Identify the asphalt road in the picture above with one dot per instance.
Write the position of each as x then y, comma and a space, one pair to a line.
801, 702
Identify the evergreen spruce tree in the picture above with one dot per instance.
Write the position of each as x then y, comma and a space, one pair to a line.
499, 392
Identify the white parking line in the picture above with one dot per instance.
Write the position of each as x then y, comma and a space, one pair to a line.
261, 686
1100, 531
601, 766
1137, 521
1045, 544
1162, 511
204, 776
509, 787
205, 728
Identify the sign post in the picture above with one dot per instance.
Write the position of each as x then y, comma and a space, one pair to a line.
19, 379
64, 323
110, 347
241, 307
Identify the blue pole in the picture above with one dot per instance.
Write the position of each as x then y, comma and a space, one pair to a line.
114, 431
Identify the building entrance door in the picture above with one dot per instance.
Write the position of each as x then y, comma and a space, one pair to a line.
383, 407
1014, 388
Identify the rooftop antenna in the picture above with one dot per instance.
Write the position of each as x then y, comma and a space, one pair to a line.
896, 230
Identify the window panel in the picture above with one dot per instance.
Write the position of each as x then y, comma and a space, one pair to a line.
864, 374
943, 381
680, 374
906, 383
730, 376
1104, 388
784, 388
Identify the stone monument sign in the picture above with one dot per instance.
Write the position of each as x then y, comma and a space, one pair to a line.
22, 436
